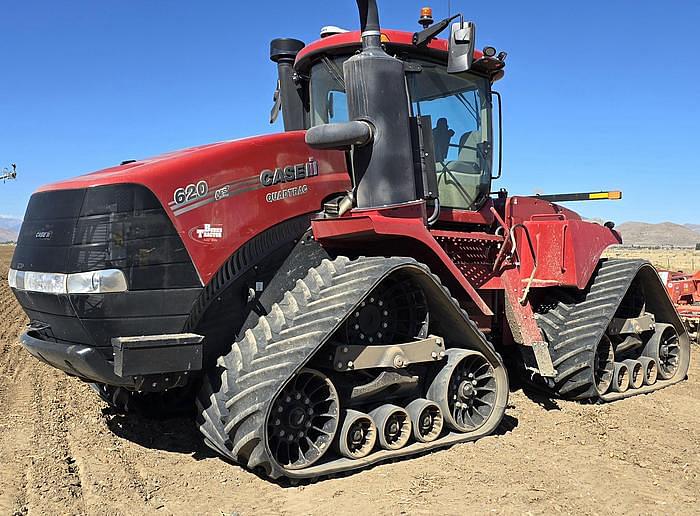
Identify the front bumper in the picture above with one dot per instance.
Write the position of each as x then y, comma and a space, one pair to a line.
150, 363
86, 362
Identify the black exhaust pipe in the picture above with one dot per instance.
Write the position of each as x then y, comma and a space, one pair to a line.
369, 23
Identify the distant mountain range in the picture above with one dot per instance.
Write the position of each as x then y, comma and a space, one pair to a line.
9, 228
662, 234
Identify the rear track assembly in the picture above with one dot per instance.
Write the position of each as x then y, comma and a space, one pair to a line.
593, 359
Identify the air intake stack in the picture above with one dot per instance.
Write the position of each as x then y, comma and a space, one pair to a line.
376, 90
379, 132
283, 51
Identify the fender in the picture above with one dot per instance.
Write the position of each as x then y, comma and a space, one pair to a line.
405, 221
566, 248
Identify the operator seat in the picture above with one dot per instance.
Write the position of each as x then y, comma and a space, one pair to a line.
442, 135
459, 181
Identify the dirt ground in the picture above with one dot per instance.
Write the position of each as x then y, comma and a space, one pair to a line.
62, 452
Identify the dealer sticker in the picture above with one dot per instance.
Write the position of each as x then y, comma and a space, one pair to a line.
207, 233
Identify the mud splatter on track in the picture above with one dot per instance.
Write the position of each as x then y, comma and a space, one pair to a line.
62, 452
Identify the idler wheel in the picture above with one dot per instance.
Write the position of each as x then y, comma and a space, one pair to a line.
636, 370
465, 390
651, 370
393, 426
357, 436
621, 377
426, 419
664, 347
303, 420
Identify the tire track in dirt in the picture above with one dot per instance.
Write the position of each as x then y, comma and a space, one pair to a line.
53, 476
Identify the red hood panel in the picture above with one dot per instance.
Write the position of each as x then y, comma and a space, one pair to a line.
215, 195
144, 170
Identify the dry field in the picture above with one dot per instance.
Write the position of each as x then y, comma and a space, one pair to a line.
63, 452
685, 260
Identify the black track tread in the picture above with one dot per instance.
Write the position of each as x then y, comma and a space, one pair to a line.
232, 418
573, 330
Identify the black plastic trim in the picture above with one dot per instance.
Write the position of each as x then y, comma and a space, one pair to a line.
85, 362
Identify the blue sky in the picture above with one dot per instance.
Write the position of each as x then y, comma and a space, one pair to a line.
598, 94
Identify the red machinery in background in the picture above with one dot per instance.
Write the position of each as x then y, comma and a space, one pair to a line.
684, 291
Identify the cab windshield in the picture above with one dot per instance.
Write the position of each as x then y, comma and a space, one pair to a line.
459, 107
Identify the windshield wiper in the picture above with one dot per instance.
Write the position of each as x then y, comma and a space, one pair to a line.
335, 72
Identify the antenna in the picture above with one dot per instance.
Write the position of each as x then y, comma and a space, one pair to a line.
8, 175
449, 8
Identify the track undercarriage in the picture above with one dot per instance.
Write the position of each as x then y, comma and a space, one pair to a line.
618, 338
362, 361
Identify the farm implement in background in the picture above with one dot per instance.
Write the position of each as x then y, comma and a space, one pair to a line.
684, 291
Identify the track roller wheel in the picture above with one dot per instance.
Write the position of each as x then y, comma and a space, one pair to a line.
621, 378
303, 420
464, 389
358, 435
664, 347
393, 426
651, 370
426, 419
636, 370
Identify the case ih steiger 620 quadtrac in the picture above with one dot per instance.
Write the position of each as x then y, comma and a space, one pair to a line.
344, 292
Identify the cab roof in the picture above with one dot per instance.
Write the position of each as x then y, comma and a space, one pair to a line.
350, 41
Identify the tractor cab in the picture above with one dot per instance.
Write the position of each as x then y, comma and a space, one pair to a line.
459, 105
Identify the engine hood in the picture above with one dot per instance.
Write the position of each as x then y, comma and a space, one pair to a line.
164, 166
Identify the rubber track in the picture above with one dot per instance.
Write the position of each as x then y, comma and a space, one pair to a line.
236, 397
574, 330
232, 417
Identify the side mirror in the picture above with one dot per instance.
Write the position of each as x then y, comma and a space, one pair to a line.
331, 106
461, 50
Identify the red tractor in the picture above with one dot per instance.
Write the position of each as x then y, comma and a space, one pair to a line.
345, 292
684, 291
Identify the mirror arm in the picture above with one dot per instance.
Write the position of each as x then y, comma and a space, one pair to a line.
427, 35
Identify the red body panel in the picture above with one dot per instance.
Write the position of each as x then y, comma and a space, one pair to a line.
235, 205
245, 210
409, 221
566, 248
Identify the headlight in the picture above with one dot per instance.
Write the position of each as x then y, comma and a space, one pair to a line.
97, 282
47, 282
12, 278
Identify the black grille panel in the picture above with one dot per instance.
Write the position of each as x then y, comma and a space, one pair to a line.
110, 227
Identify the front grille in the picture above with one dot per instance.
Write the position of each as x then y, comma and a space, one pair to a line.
109, 227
